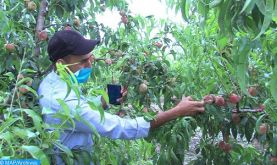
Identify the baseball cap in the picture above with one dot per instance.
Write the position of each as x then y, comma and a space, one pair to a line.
69, 42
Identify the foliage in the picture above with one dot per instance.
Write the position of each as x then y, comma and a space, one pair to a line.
224, 47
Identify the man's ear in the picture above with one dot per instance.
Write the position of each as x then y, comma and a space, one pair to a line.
60, 61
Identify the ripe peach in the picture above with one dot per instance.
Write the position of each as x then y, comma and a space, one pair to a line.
219, 100
23, 90
236, 118
227, 148
221, 144
209, 99
10, 47
273, 159
261, 107
158, 44
252, 91
233, 98
108, 61
42, 36
263, 128
124, 19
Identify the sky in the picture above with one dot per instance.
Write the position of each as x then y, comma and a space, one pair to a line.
143, 8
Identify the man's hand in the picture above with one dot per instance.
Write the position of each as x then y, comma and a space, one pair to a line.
124, 92
186, 107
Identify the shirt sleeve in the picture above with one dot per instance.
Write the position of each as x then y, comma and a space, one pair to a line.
111, 126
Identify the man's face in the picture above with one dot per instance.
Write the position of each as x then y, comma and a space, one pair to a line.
78, 62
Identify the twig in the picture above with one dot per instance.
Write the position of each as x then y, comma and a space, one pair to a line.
244, 110
99, 59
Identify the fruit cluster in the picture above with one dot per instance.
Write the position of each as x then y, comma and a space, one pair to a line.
220, 101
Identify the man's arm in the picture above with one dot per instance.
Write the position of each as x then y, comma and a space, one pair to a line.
186, 107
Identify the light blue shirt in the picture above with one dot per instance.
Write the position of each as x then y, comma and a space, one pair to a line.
113, 126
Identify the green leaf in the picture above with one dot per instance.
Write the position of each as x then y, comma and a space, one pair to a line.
29, 89
259, 121
93, 129
93, 106
46, 111
261, 6
7, 124
24, 133
104, 94
221, 17
249, 130
86, 159
241, 63
173, 157
247, 4
63, 148
273, 82
10, 75
8, 136
267, 17
36, 118
3, 22
185, 5
59, 11
28, 71
274, 143
37, 153
222, 42
234, 131
65, 107
24, 80
214, 3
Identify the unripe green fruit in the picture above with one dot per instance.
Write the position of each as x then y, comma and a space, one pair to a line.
122, 13
143, 88
76, 22
31, 6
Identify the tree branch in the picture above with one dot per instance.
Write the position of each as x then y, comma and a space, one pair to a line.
40, 23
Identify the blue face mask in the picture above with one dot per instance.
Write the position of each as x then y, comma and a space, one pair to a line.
83, 74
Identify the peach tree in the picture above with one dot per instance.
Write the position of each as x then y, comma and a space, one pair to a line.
225, 54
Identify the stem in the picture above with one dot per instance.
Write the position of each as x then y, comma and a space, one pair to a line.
15, 88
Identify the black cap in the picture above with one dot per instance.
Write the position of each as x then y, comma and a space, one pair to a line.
69, 42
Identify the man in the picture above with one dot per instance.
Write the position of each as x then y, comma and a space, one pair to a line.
71, 48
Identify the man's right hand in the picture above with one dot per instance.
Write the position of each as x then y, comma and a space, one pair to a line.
188, 107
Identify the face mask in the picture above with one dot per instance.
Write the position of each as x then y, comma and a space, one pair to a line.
83, 74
